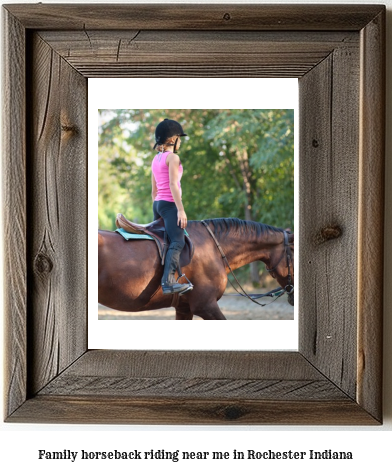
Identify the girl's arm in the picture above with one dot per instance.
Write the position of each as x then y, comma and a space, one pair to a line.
154, 189
173, 162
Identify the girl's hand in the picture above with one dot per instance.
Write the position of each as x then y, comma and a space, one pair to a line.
182, 219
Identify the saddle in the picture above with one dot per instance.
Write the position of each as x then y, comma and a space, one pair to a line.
156, 230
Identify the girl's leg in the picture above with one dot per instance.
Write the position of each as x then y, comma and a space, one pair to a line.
168, 211
155, 210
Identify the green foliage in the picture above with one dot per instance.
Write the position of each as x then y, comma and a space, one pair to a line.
237, 163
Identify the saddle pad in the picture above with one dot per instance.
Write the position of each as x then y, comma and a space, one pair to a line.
128, 236
186, 254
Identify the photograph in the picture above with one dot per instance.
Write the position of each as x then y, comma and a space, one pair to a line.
185, 201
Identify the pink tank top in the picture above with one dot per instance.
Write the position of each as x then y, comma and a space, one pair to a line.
161, 174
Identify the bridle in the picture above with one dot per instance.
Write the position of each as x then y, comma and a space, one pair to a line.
289, 288
277, 292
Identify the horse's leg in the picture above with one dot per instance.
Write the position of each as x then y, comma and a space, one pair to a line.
210, 311
183, 311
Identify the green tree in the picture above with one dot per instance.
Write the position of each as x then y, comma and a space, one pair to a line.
257, 148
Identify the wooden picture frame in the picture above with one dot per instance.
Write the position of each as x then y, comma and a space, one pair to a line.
338, 54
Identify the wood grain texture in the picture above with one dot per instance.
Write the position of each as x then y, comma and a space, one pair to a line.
57, 212
335, 378
171, 411
203, 374
371, 215
329, 200
14, 212
207, 364
192, 387
193, 17
129, 53
200, 387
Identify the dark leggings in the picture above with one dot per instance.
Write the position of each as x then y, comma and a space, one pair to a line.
168, 211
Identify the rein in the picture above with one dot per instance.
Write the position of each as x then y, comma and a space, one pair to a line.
277, 292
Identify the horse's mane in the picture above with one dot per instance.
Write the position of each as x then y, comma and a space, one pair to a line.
224, 226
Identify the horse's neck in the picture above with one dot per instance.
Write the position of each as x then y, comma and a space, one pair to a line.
252, 248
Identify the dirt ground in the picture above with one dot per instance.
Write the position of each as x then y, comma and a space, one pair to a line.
233, 307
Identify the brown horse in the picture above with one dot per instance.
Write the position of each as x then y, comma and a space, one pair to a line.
129, 272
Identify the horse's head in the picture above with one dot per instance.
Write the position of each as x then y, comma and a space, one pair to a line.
281, 265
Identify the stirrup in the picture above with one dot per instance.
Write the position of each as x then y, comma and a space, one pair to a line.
190, 286
172, 288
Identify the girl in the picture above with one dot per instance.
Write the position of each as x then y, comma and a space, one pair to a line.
166, 196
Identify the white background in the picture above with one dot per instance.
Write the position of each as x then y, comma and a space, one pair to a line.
19, 444
206, 94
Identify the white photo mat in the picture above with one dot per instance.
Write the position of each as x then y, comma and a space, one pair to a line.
183, 93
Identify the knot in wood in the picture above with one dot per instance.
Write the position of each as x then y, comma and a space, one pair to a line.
227, 16
43, 264
315, 143
69, 128
232, 412
329, 232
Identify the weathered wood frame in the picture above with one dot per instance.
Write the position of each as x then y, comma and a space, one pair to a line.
337, 52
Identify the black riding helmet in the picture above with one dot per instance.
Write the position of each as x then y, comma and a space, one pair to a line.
166, 129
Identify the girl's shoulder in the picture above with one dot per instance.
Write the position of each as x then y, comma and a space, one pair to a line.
172, 158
